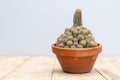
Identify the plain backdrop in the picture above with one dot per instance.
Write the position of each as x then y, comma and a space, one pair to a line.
30, 27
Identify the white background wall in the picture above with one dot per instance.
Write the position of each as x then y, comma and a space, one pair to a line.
29, 27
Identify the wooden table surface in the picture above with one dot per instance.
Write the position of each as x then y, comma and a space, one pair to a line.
48, 68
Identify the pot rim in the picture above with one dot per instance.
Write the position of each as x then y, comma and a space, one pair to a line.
99, 45
77, 52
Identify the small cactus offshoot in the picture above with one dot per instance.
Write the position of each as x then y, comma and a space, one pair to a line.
77, 36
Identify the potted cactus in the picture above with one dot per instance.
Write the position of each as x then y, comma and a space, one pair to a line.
76, 49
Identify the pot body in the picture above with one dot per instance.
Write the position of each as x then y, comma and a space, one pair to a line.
74, 60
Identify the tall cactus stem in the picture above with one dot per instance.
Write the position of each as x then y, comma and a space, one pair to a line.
77, 19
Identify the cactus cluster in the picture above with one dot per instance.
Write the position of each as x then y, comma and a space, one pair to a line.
77, 36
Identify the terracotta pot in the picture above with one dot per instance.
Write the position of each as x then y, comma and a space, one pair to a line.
76, 60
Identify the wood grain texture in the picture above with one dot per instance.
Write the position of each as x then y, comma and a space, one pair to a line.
8, 64
109, 67
48, 68
36, 68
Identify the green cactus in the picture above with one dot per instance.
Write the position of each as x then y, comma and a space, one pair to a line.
61, 45
59, 39
63, 35
83, 43
80, 37
85, 32
72, 46
75, 32
69, 43
91, 44
78, 28
79, 46
89, 32
66, 47
68, 33
75, 44
77, 20
77, 36
70, 37
75, 39
64, 40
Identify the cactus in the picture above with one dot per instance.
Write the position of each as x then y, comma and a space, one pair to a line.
83, 43
77, 36
69, 43
79, 46
80, 37
70, 37
75, 39
77, 20
73, 46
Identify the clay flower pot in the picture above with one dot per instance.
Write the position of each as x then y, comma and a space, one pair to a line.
76, 49
76, 60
